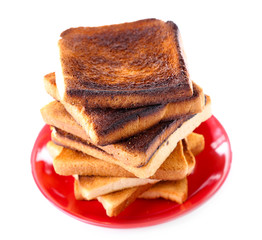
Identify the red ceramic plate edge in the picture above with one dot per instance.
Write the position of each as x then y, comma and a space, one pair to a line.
139, 223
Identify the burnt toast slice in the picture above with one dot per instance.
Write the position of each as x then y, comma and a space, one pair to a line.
106, 126
123, 65
141, 154
70, 162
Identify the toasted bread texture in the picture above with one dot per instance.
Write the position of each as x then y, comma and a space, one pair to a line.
114, 203
196, 143
176, 191
54, 150
92, 187
105, 126
71, 162
124, 65
189, 156
137, 150
160, 154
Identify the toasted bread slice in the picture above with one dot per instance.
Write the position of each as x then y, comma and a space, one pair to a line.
115, 203
105, 126
93, 186
77, 191
176, 191
137, 150
190, 158
54, 150
123, 66
196, 143
70, 162
142, 154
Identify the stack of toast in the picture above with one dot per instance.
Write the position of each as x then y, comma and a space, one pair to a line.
124, 112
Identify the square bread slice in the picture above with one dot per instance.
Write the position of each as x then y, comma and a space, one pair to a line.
123, 65
106, 126
137, 150
95, 186
115, 202
142, 154
92, 187
70, 162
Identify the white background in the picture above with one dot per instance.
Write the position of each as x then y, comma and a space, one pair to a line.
222, 40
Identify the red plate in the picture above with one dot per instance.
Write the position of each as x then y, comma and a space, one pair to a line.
211, 170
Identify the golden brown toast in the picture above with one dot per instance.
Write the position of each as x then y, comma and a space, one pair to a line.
196, 143
124, 65
54, 150
189, 156
137, 150
70, 162
154, 162
77, 192
92, 187
116, 202
142, 154
87, 188
105, 126
176, 191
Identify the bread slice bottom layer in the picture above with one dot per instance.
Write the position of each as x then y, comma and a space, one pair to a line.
114, 203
